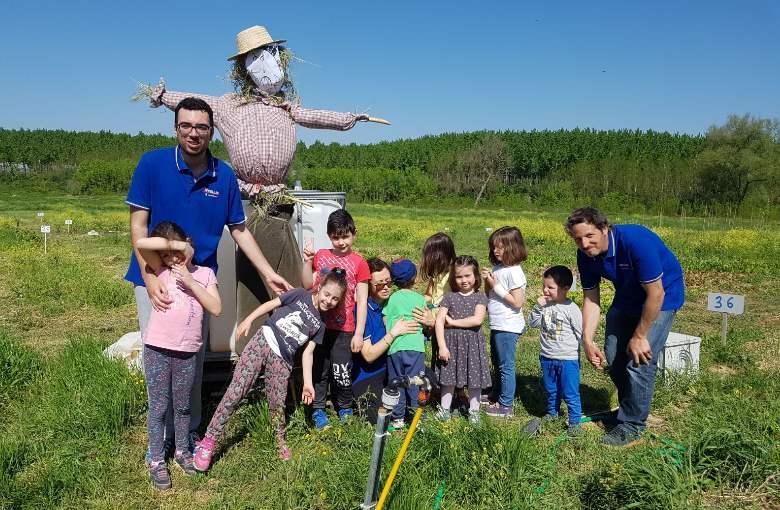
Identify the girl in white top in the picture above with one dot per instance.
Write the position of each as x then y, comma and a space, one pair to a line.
505, 286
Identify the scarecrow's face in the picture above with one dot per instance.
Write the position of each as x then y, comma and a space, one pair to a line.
265, 68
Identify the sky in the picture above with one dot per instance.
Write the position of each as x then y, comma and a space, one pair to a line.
427, 66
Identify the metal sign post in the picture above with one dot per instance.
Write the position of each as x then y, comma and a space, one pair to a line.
40, 216
725, 304
45, 230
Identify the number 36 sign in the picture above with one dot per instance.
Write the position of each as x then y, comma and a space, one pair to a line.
725, 303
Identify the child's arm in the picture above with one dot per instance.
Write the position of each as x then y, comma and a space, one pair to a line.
208, 297
307, 361
535, 317
361, 302
514, 298
263, 309
444, 353
472, 321
147, 245
307, 272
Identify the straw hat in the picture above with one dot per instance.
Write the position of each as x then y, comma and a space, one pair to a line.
253, 38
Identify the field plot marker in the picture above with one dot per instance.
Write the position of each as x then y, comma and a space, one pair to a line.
40, 216
45, 230
725, 304
68, 223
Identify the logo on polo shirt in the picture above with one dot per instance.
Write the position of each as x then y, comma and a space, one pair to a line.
211, 192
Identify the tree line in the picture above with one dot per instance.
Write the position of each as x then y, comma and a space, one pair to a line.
733, 169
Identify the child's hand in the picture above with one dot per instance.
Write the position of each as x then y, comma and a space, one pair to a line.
189, 252
308, 251
307, 395
487, 275
183, 275
357, 343
444, 354
243, 328
541, 301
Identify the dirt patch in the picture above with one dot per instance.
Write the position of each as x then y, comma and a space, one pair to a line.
722, 370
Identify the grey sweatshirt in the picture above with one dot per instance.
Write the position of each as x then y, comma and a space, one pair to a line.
561, 329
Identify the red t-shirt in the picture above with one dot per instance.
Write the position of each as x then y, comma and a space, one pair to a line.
342, 318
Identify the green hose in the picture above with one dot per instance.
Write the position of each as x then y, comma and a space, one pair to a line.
439, 495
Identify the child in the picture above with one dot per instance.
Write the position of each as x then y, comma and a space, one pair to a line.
505, 286
171, 343
438, 254
406, 355
295, 321
345, 324
560, 322
463, 360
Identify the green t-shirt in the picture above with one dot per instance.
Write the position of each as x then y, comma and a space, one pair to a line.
400, 306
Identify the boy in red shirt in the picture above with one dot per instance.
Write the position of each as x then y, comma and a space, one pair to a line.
344, 327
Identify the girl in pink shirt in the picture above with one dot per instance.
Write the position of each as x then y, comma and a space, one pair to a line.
171, 342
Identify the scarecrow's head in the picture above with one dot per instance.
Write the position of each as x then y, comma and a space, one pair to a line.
260, 66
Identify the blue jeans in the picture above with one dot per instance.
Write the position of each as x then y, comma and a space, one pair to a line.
635, 384
561, 378
503, 346
405, 363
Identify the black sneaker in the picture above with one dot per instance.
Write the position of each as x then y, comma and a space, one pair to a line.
184, 461
622, 436
534, 426
161, 478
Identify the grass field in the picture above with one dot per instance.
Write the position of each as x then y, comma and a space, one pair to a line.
72, 424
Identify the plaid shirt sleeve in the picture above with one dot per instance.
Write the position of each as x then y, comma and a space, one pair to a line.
324, 119
170, 98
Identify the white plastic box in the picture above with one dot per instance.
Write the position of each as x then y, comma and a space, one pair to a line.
680, 354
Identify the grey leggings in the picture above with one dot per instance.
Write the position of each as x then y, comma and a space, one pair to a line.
169, 378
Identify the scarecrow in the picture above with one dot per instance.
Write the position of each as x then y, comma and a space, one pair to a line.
257, 124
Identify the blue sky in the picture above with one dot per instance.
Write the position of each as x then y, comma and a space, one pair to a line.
429, 67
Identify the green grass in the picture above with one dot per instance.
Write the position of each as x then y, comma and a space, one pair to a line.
72, 424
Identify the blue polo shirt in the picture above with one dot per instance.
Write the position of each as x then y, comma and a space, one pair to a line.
636, 255
164, 185
375, 330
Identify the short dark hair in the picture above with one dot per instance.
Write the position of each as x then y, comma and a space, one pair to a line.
589, 215
170, 231
465, 260
375, 264
195, 105
511, 239
561, 275
340, 223
338, 276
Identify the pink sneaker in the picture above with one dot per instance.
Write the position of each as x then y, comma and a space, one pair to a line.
204, 450
284, 452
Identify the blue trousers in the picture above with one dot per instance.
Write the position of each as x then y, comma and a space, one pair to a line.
561, 379
635, 384
503, 345
406, 363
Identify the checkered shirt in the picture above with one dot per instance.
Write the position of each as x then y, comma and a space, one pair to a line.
259, 135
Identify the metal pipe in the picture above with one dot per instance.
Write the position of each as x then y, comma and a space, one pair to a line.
380, 435
399, 459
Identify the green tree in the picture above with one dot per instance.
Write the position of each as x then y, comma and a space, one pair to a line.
739, 157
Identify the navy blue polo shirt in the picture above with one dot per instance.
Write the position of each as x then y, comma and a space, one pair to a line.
636, 255
164, 185
375, 330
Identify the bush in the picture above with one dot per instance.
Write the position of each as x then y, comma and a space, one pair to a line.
104, 176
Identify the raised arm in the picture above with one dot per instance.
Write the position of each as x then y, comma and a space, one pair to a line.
169, 98
325, 119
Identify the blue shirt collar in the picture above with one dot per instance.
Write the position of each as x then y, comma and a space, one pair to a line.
612, 248
181, 165
373, 305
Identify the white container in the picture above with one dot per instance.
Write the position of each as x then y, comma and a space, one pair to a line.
680, 354
306, 223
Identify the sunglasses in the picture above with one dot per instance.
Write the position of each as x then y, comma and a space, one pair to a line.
382, 285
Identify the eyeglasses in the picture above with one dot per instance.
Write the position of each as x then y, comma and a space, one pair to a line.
382, 285
186, 127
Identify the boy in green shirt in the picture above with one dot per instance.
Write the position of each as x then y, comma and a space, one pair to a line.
406, 355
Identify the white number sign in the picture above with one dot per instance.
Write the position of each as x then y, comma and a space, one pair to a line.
40, 215
45, 229
69, 222
725, 303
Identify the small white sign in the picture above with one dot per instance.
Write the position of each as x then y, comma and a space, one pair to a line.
40, 214
45, 229
725, 303
69, 222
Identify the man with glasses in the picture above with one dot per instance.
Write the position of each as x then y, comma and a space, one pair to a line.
185, 184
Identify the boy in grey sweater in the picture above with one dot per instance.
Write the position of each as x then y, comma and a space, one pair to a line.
560, 322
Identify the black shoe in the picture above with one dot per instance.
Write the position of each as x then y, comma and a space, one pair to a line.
622, 436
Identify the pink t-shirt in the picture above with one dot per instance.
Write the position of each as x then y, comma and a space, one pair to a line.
342, 318
179, 327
